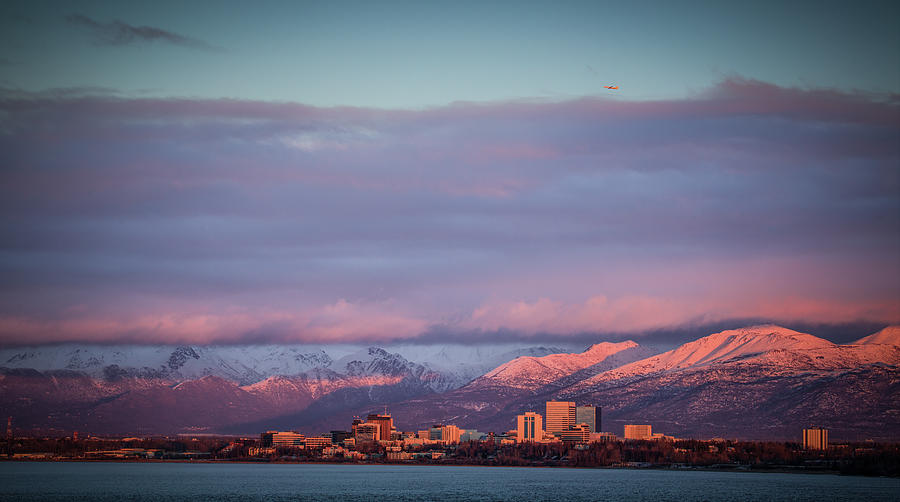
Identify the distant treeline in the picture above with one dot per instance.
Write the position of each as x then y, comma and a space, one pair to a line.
870, 459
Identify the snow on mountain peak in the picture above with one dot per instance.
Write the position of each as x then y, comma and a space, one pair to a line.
722, 346
888, 336
529, 371
609, 348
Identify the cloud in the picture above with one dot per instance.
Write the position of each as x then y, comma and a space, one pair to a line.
645, 314
335, 323
117, 33
229, 220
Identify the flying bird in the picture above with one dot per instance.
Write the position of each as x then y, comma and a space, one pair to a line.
613, 87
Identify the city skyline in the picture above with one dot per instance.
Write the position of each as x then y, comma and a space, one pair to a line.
760, 382
589, 237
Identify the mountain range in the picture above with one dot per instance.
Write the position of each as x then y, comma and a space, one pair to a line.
759, 382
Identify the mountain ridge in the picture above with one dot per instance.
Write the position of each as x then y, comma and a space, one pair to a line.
758, 381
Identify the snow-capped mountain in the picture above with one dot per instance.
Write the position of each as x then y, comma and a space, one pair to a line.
761, 381
755, 382
142, 383
888, 336
777, 348
529, 372
244, 365
454, 365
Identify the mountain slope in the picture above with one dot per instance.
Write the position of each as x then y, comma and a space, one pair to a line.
887, 336
717, 348
763, 382
535, 372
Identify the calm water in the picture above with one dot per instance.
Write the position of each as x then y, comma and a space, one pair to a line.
186, 481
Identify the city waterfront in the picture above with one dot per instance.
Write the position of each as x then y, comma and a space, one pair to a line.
275, 482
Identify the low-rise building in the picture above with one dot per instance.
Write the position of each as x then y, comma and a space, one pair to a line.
446, 434
282, 439
314, 442
603, 436
643, 432
368, 432
580, 433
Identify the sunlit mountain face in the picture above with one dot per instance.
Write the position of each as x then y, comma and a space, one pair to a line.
759, 382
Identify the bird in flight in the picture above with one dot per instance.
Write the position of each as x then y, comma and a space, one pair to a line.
613, 87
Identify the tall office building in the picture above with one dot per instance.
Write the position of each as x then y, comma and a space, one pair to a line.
529, 427
638, 431
560, 415
385, 424
815, 438
589, 415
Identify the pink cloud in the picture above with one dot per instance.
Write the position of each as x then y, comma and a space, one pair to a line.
335, 323
588, 215
636, 314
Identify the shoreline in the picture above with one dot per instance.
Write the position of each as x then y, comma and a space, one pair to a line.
741, 468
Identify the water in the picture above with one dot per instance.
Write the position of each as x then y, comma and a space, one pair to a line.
110, 481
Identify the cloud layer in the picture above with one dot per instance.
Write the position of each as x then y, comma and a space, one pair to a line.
232, 221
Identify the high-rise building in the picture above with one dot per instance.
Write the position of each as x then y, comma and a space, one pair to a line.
560, 416
385, 424
589, 415
529, 427
815, 438
638, 431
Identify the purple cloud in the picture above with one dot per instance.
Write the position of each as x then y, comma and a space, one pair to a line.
230, 220
118, 33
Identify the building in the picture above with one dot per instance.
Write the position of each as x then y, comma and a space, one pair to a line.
603, 436
815, 438
581, 433
589, 415
560, 416
470, 435
356, 422
367, 431
529, 427
340, 436
314, 442
385, 424
447, 434
282, 439
638, 432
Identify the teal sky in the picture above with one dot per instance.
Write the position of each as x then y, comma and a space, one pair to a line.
422, 54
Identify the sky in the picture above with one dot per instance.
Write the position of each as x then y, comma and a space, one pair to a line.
194, 172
